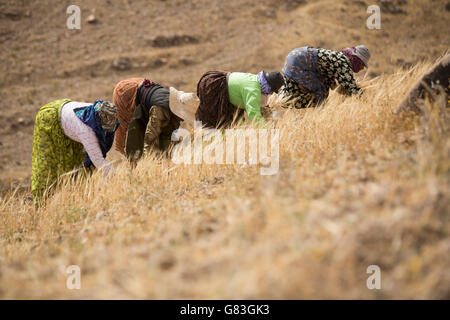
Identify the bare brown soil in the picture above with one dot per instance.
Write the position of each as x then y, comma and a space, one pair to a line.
42, 60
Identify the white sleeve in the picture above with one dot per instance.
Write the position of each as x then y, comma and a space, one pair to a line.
88, 139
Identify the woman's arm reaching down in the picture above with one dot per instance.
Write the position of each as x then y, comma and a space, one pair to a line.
90, 143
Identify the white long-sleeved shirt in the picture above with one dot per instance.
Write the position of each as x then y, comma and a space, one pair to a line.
76, 130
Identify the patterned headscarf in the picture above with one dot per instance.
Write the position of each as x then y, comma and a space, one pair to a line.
108, 114
357, 63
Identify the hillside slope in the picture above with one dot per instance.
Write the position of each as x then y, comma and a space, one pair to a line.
356, 186
41, 60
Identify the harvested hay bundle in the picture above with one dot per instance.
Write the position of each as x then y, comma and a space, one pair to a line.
276, 106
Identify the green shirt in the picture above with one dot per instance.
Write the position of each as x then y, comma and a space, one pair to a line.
245, 93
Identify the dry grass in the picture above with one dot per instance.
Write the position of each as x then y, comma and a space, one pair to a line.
356, 186
42, 60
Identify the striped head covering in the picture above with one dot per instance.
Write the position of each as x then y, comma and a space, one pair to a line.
363, 53
359, 57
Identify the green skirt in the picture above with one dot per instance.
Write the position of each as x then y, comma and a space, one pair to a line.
53, 152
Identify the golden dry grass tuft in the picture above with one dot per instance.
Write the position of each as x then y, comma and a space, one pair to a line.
357, 186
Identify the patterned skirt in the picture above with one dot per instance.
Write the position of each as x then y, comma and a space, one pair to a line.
53, 152
298, 97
